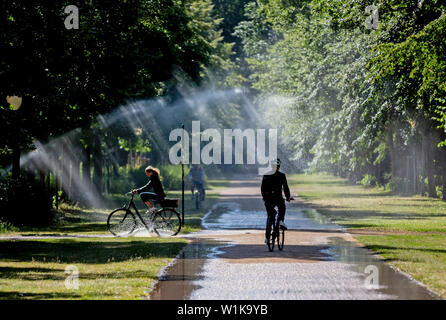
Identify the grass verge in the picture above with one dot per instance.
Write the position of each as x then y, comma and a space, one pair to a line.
109, 268
408, 231
112, 268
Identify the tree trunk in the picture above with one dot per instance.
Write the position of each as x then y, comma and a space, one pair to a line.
61, 167
431, 180
42, 177
56, 179
414, 171
392, 153
97, 165
86, 167
15, 162
48, 181
108, 179
74, 180
444, 173
429, 163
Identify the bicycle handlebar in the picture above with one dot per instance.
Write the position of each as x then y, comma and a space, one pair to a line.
130, 194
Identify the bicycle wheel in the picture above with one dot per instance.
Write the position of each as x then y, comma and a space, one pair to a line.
281, 239
121, 222
167, 222
197, 200
203, 195
271, 237
271, 241
269, 234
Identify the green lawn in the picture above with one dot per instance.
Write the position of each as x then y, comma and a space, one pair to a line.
112, 268
413, 227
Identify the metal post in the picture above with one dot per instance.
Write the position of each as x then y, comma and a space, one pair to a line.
182, 175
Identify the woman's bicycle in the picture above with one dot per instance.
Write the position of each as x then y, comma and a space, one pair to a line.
274, 231
165, 221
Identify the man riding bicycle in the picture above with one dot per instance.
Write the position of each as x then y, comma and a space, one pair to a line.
196, 176
272, 185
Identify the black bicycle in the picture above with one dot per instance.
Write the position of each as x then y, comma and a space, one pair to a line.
274, 231
199, 194
164, 221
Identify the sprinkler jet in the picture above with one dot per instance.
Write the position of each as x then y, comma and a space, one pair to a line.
211, 152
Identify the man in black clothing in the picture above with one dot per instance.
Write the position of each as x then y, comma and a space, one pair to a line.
272, 185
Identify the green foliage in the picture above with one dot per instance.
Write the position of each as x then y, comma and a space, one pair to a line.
294, 53
122, 50
137, 145
219, 68
368, 181
6, 226
56, 198
350, 100
232, 13
121, 183
171, 176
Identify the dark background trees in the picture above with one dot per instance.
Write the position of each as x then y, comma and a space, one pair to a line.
367, 103
66, 78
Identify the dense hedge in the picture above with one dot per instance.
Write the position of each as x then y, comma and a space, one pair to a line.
25, 202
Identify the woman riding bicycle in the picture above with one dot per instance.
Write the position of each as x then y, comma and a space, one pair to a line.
149, 198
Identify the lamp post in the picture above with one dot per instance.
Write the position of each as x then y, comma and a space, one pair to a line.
182, 175
15, 104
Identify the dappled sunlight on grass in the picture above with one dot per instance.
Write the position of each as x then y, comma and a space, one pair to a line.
413, 227
374, 208
109, 268
422, 256
116, 268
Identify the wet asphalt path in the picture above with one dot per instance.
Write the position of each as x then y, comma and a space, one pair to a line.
228, 260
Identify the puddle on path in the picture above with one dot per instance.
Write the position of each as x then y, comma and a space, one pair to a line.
376, 273
180, 278
318, 218
177, 280
227, 215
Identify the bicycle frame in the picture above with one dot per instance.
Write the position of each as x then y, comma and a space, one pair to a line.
275, 223
274, 231
132, 205
198, 186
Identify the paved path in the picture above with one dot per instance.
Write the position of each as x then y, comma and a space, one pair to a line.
320, 260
